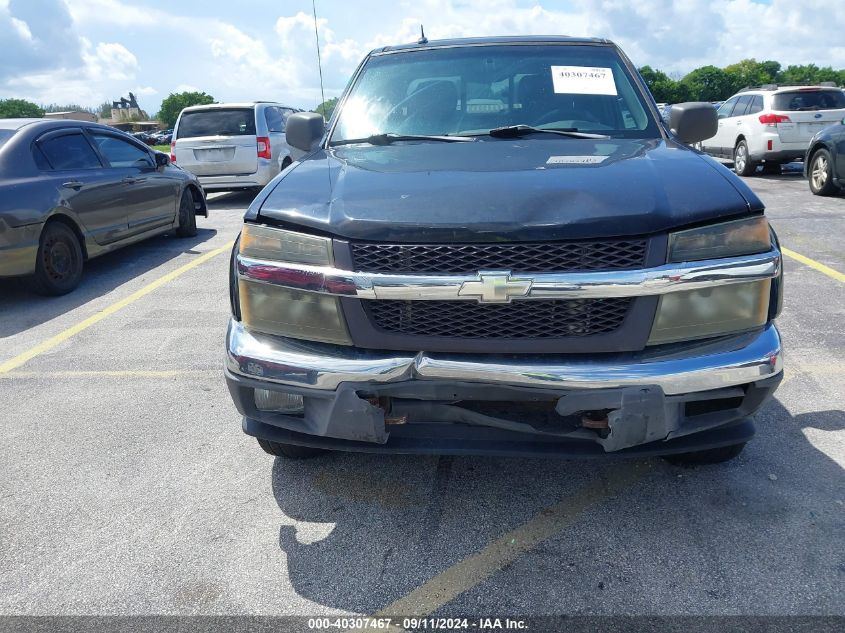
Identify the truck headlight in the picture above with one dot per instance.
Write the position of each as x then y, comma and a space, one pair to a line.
282, 311
726, 239
695, 314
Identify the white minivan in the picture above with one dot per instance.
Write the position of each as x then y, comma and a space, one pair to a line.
233, 145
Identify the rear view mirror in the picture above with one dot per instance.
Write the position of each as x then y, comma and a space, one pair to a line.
693, 121
162, 160
304, 130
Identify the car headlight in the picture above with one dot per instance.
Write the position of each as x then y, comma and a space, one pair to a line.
293, 313
695, 314
726, 239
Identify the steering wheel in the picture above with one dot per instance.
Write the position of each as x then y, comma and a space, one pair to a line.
395, 109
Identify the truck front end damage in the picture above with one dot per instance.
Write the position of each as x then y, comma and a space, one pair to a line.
672, 396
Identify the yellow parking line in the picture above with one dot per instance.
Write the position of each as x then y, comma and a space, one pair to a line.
61, 337
110, 373
475, 569
812, 263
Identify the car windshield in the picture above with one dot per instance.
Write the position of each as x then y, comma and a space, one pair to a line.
474, 89
217, 122
809, 100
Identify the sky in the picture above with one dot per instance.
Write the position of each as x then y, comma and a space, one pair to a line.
91, 51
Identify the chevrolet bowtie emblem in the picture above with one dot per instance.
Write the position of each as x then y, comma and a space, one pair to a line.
495, 286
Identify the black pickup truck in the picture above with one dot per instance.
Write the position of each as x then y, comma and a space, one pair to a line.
497, 246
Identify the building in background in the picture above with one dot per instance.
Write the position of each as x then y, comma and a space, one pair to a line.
127, 110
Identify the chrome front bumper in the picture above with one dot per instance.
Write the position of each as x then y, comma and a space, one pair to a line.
676, 369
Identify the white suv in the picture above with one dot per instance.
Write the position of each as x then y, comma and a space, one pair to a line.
233, 145
773, 125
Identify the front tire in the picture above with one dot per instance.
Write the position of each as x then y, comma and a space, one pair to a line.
58, 267
742, 160
821, 174
705, 457
187, 216
291, 451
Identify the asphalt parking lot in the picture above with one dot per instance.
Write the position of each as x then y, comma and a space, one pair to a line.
127, 486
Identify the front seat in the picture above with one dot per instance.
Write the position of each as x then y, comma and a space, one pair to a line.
535, 94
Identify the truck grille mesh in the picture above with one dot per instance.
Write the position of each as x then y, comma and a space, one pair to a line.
517, 257
539, 319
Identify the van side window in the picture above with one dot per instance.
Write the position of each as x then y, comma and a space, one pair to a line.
275, 123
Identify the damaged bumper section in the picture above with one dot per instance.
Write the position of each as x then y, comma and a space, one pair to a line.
668, 399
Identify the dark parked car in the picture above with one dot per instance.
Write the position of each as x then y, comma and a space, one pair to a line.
498, 246
72, 190
144, 137
824, 165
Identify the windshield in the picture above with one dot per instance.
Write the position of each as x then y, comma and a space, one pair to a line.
217, 122
5, 135
473, 89
809, 100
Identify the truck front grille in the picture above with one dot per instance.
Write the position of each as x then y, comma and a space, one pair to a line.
541, 319
517, 257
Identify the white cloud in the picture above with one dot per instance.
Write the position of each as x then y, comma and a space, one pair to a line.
22, 28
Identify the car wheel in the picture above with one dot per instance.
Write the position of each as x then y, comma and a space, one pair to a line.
291, 451
742, 161
187, 216
58, 267
705, 457
821, 174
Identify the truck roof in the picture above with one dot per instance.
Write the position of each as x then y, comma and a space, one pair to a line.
481, 41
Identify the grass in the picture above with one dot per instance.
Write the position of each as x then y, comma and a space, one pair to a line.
161, 148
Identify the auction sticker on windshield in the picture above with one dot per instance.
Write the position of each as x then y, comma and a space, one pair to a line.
583, 80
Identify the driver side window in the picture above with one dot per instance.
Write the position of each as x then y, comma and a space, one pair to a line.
122, 153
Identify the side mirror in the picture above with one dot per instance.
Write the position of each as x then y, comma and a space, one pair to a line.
694, 121
304, 129
162, 160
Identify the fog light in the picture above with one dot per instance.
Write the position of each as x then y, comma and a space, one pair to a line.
694, 314
292, 313
279, 402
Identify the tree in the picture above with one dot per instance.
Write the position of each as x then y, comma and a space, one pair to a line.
176, 102
69, 107
750, 72
327, 107
708, 83
19, 108
104, 110
661, 85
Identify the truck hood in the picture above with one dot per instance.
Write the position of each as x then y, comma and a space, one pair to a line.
532, 189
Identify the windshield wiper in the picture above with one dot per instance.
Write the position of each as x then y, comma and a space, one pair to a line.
515, 131
387, 138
